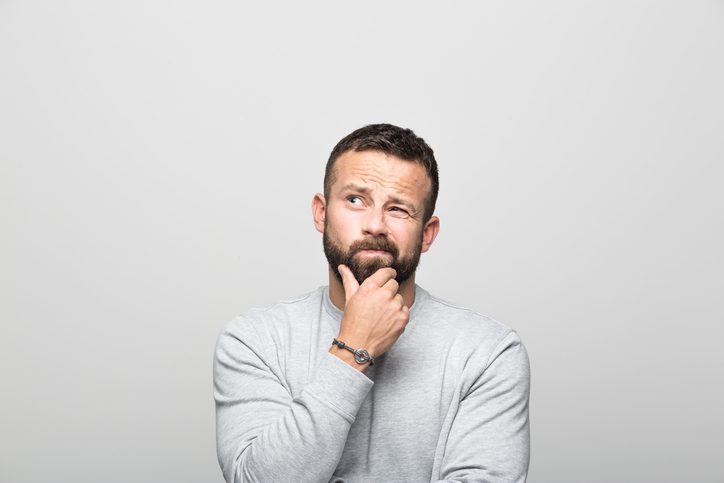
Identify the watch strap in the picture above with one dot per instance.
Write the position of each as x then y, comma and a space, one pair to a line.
361, 356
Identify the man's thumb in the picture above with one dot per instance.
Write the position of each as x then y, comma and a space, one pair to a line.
350, 283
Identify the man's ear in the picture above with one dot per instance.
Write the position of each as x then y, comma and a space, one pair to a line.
429, 233
319, 209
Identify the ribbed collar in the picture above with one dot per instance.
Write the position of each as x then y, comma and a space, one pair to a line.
421, 296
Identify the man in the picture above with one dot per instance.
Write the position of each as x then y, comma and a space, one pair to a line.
372, 378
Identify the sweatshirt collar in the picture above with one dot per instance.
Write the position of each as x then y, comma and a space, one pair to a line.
421, 296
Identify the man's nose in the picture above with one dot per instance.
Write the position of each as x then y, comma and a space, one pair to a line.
374, 223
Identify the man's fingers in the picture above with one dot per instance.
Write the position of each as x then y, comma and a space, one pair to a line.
381, 276
350, 283
392, 286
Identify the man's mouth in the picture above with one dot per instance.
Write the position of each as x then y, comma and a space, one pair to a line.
375, 252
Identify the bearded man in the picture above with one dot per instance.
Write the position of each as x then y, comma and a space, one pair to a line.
372, 378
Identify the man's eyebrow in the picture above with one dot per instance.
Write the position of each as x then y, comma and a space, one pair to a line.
400, 201
355, 187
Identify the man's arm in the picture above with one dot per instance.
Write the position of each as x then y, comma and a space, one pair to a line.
489, 439
263, 434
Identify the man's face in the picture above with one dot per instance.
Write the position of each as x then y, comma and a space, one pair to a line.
374, 214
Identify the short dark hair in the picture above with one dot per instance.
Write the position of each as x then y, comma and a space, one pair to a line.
393, 140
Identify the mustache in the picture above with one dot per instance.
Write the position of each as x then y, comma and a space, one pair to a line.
373, 244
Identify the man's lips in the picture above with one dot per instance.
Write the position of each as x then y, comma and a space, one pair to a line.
375, 252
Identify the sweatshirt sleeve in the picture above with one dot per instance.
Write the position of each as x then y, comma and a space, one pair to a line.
489, 439
262, 432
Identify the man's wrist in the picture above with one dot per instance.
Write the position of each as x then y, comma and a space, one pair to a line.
348, 357
361, 356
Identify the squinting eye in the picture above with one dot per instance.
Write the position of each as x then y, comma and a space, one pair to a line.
397, 208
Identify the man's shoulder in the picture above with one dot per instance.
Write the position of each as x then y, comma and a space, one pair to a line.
259, 321
455, 319
282, 308
466, 334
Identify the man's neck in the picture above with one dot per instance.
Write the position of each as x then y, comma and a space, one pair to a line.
336, 291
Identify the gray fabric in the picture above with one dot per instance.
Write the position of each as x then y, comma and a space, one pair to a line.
448, 402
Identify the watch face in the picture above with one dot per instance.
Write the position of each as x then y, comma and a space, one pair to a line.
361, 356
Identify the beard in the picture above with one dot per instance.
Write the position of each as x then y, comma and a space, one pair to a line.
362, 266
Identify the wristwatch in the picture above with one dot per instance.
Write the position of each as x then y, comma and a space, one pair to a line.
361, 356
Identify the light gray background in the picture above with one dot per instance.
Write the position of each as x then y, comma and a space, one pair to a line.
158, 160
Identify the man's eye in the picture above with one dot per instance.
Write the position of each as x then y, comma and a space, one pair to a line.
399, 210
355, 200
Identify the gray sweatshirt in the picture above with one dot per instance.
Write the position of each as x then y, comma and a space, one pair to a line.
448, 401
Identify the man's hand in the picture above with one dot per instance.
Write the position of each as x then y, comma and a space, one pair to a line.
374, 314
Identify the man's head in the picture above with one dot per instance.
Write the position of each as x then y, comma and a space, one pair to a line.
380, 189
393, 140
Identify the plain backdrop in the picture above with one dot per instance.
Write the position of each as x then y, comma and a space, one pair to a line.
158, 161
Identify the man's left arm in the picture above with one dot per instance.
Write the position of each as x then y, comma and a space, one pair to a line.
490, 438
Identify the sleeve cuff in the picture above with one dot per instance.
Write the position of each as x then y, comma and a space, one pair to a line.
340, 386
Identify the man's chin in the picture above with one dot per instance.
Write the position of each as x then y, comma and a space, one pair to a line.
372, 262
364, 266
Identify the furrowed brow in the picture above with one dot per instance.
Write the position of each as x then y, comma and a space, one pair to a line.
355, 187
399, 201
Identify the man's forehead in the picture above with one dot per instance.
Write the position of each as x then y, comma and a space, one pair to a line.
375, 169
